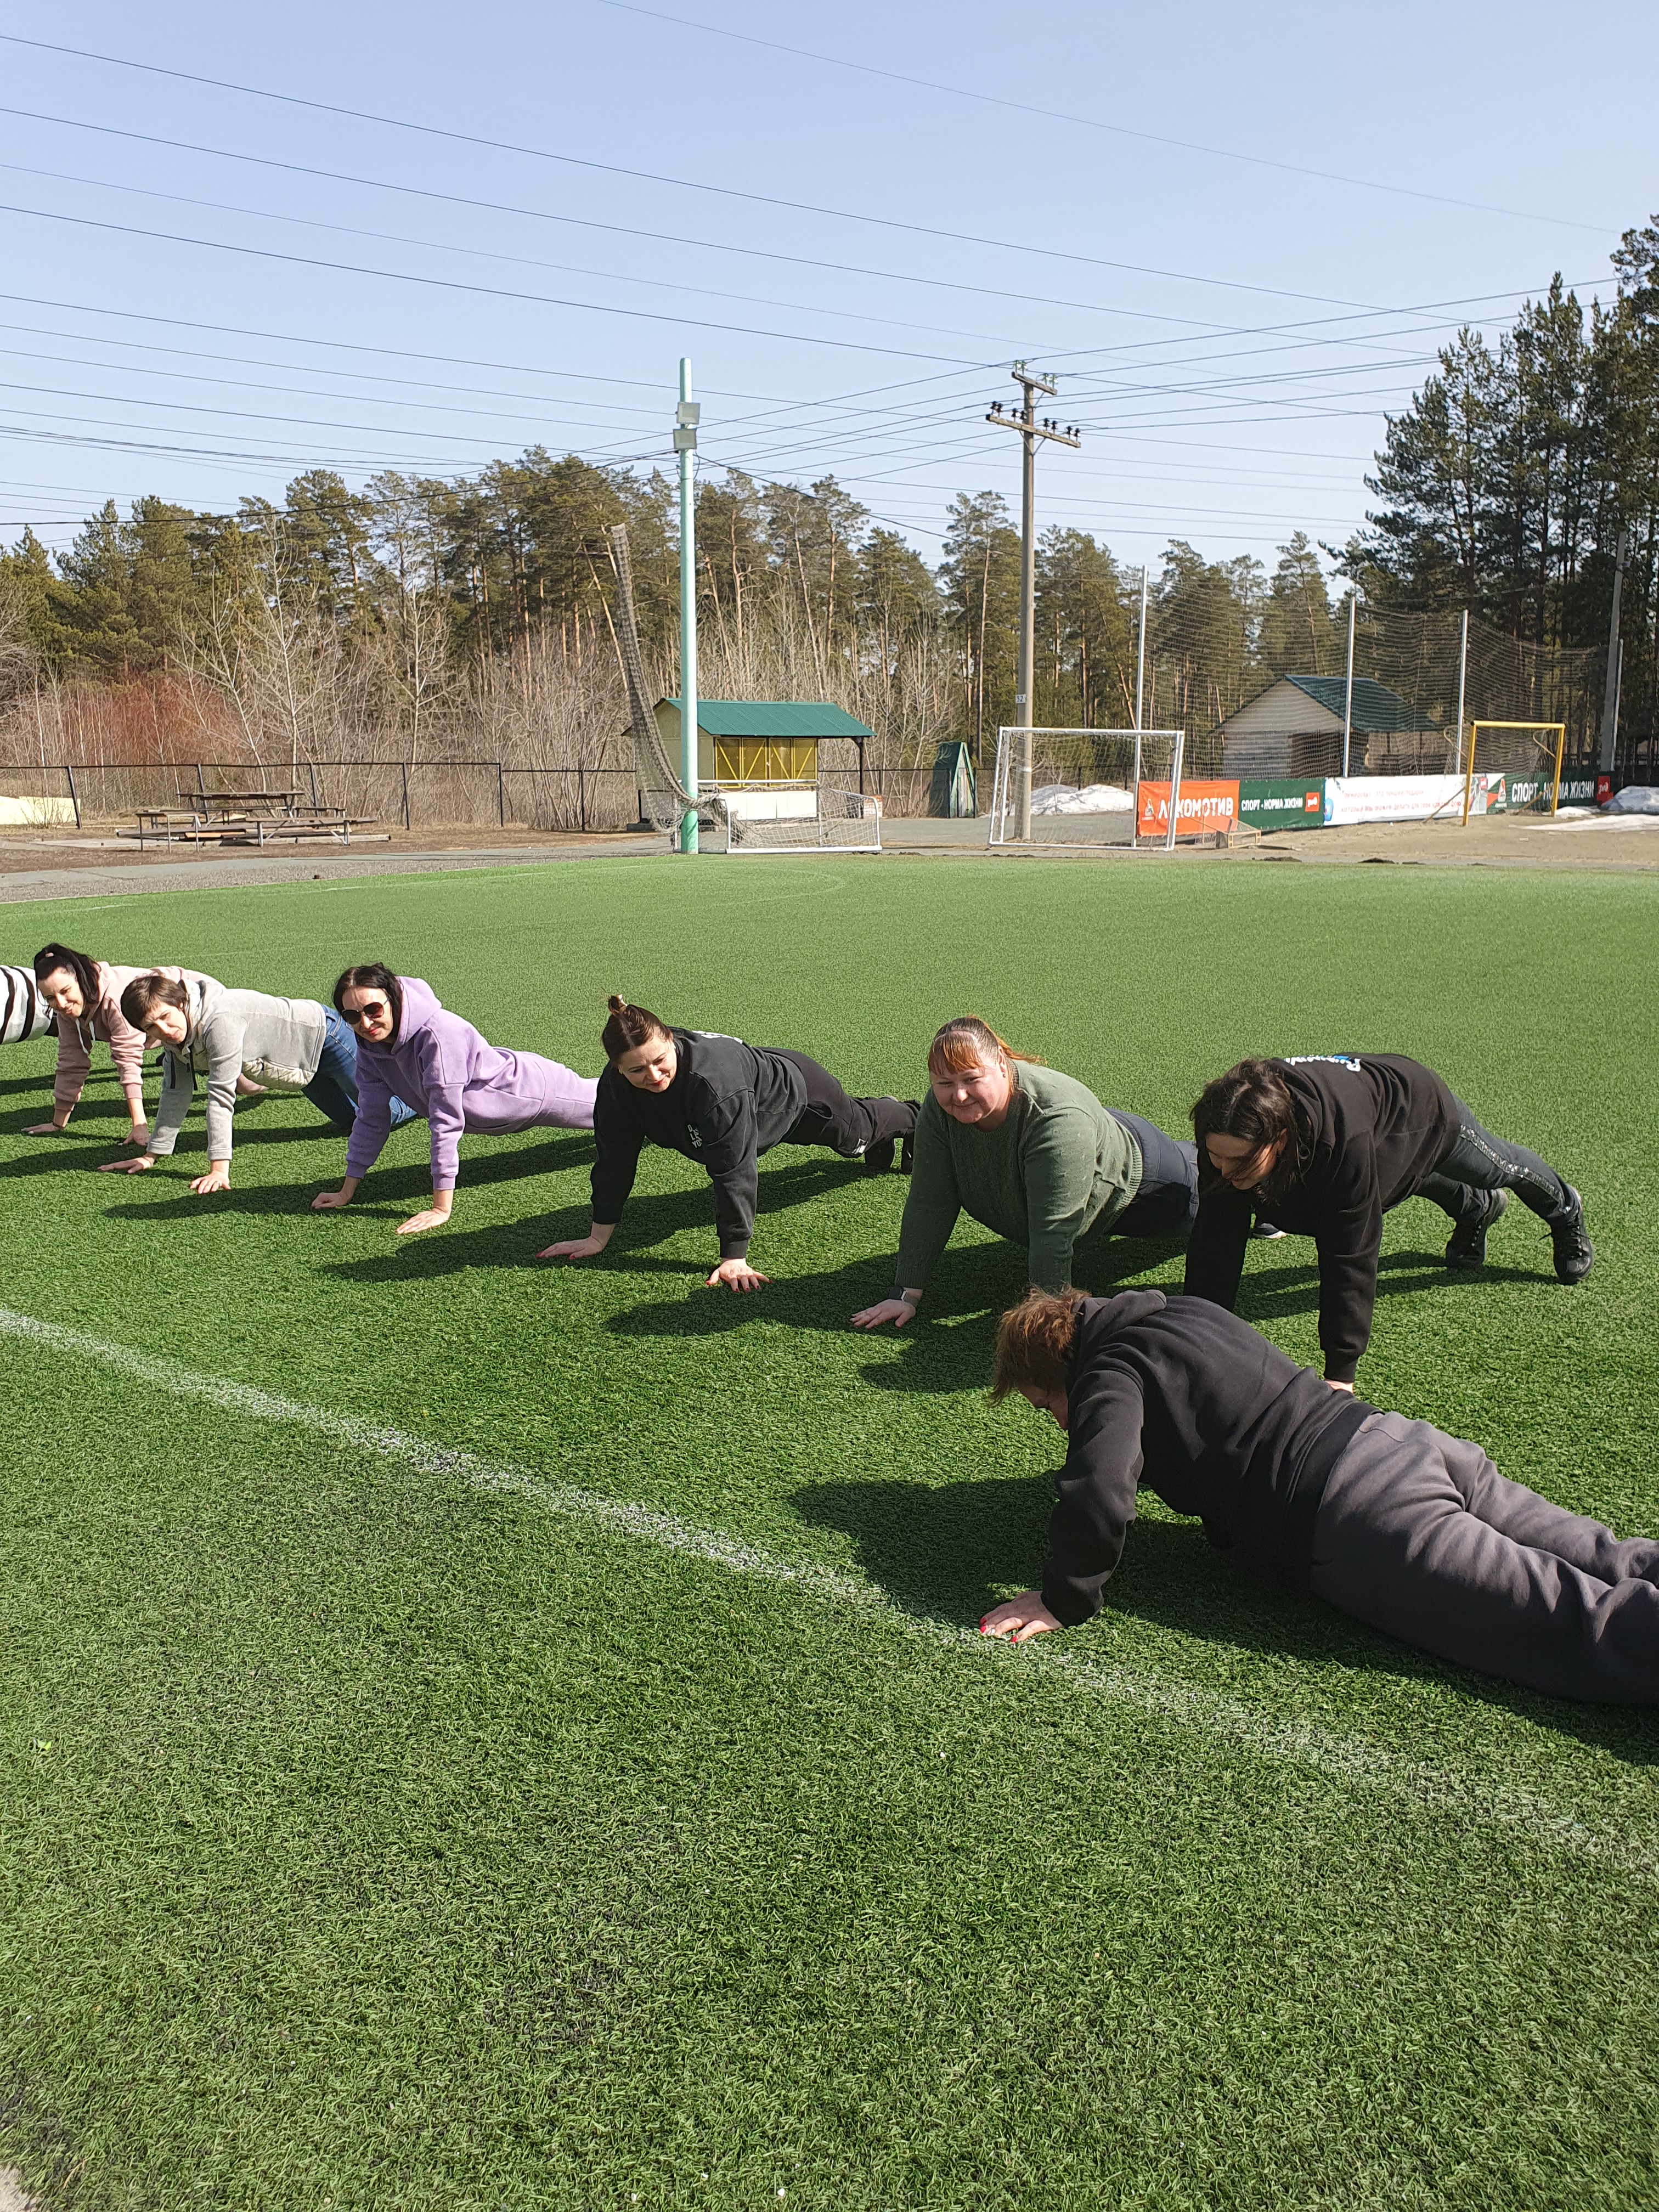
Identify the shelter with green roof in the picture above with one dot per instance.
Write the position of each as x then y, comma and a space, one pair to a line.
1294, 728
742, 742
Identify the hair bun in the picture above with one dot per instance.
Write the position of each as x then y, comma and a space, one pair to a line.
615, 1005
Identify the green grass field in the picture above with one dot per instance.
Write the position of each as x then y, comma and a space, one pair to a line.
536, 1753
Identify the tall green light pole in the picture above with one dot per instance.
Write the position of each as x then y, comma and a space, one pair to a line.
685, 444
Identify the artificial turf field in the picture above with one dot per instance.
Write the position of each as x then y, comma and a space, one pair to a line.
527, 1747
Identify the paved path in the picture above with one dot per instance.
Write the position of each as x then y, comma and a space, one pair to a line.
118, 878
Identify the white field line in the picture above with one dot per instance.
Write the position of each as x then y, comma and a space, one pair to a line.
1346, 1759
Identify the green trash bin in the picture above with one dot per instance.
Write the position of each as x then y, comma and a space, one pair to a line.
950, 794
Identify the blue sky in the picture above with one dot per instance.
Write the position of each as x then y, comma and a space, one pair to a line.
1238, 235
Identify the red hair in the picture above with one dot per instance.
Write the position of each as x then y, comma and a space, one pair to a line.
1035, 1342
969, 1041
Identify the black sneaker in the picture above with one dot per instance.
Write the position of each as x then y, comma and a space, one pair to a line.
1573, 1250
1467, 1245
878, 1156
907, 1149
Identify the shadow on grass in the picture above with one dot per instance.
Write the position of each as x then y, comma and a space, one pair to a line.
948, 1347
950, 1551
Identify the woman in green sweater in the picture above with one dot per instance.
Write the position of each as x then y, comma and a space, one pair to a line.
1035, 1156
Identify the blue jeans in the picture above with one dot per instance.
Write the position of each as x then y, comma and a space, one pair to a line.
333, 1089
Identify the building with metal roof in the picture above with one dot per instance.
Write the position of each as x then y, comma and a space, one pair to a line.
742, 742
1294, 727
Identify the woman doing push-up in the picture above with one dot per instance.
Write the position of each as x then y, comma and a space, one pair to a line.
1032, 1154
1325, 1146
409, 1047
1408, 1529
721, 1102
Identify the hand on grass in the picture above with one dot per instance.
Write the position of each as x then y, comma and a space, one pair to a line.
327, 1200
216, 1178
575, 1248
1020, 1619
737, 1275
138, 1134
430, 1217
897, 1310
46, 1129
128, 1167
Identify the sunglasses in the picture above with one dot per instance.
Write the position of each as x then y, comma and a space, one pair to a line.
375, 1011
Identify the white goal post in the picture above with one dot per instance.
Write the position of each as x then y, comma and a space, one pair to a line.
800, 817
1081, 790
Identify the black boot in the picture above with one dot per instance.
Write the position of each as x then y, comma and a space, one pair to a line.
1467, 1245
1574, 1252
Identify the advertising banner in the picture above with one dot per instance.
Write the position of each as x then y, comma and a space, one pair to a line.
1282, 802
1203, 808
1406, 798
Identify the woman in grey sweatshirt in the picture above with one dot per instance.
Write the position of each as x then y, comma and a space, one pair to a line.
202, 1029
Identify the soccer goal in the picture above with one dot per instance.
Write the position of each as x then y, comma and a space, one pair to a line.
1513, 767
1083, 789
800, 817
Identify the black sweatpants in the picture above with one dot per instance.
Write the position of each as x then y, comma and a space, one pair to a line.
1478, 1162
1418, 1534
1167, 1197
848, 1125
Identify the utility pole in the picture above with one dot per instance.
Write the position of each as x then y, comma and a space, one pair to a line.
686, 416
1462, 678
1140, 675
1025, 422
1347, 701
1615, 655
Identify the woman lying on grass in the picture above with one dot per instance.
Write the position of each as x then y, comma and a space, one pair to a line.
85, 994
409, 1048
1035, 1156
202, 1028
722, 1104
1325, 1146
1410, 1530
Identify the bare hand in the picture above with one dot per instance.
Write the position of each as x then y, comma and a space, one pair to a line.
127, 1167
431, 1217
575, 1248
327, 1200
737, 1275
897, 1310
1020, 1619
216, 1178
1348, 1386
46, 1129
137, 1134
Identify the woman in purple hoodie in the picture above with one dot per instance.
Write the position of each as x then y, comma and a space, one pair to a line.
409, 1047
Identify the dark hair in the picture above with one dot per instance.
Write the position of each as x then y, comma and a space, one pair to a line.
145, 993
372, 975
629, 1027
1254, 1102
1035, 1342
967, 1041
82, 965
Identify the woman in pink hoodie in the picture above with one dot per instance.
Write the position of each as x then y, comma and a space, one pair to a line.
85, 994
409, 1048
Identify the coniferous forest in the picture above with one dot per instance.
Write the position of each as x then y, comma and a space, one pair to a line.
416, 618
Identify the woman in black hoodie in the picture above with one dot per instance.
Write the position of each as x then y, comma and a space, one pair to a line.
1325, 1146
1404, 1527
721, 1102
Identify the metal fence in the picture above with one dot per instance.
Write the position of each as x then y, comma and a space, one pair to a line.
436, 793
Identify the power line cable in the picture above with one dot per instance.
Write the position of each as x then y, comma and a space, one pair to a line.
1093, 122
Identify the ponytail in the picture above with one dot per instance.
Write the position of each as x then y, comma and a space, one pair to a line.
629, 1028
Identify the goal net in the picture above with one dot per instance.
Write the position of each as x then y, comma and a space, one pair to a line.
801, 818
1082, 789
1513, 767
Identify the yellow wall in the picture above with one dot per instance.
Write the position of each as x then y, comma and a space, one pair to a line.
769, 760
